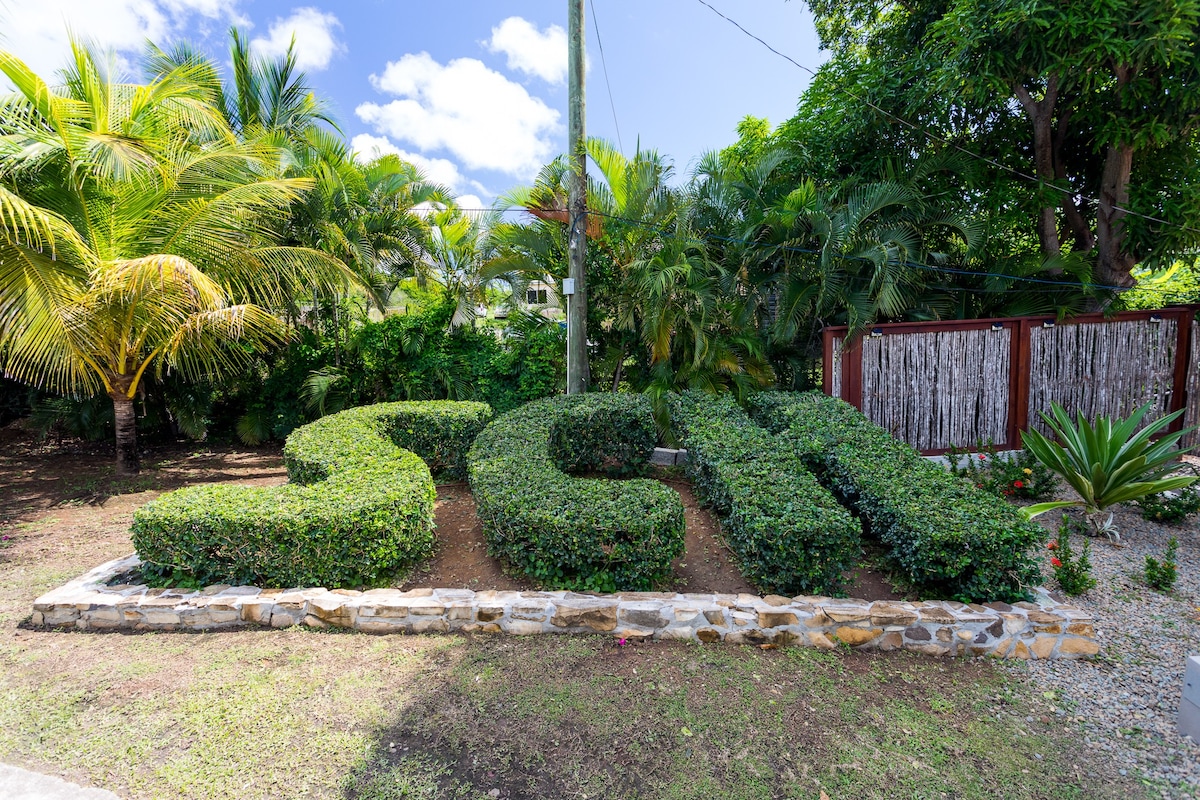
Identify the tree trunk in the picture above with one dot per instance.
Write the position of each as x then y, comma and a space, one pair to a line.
1113, 264
1041, 115
128, 462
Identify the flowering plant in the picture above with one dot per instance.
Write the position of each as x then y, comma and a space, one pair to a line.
1073, 574
1012, 475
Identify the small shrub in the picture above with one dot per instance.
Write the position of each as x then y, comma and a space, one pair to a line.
1170, 506
568, 532
789, 534
946, 537
1161, 575
1018, 474
358, 509
1074, 575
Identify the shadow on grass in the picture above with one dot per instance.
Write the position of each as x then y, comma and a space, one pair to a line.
563, 717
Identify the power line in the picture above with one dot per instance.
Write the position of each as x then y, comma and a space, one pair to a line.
604, 64
940, 140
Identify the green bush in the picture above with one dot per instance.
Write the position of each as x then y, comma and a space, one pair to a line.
1073, 573
1161, 575
359, 506
789, 534
603, 435
948, 538
567, 532
1170, 506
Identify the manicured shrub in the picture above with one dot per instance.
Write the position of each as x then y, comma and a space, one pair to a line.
789, 534
358, 509
613, 433
948, 538
568, 532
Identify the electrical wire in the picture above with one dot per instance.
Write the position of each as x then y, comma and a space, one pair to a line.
604, 64
940, 140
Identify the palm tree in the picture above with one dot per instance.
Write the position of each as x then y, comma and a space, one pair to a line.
136, 231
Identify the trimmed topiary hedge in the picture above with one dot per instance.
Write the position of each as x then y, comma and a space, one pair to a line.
568, 532
359, 506
950, 539
613, 433
789, 534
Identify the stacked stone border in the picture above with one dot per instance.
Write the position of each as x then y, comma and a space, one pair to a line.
1043, 629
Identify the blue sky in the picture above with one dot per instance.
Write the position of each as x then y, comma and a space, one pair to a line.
474, 91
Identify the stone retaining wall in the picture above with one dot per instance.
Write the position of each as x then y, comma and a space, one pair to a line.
1045, 629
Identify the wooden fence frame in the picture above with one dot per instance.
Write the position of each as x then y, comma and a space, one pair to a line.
851, 356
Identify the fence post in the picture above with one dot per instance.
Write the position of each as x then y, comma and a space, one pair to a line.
852, 352
1018, 381
1183, 359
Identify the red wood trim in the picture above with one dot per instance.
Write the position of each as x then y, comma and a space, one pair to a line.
852, 353
976, 324
1183, 348
827, 361
1020, 395
1013, 430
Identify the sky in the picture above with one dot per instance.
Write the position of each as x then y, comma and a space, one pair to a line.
474, 92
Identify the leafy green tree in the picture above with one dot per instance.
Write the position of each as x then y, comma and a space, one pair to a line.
136, 232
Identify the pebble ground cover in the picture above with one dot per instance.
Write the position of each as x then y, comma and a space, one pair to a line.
329, 715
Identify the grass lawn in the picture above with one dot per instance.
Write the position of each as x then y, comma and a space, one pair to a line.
298, 713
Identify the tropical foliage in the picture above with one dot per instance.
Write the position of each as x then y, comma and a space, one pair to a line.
1109, 461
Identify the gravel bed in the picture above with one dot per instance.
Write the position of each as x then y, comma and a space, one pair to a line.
1127, 699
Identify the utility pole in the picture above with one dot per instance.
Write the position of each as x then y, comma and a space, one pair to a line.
577, 365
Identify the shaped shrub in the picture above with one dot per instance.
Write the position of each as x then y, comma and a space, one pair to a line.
359, 506
950, 539
613, 433
789, 534
568, 532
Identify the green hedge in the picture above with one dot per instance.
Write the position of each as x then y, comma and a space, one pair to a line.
789, 534
613, 433
359, 506
949, 539
568, 532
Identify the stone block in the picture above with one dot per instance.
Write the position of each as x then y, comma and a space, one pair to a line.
427, 610
489, 613
521, 627
749, 636
715, 617
847, 613
644, 617
776, 619
1074, 646
592, 616
886, 614
935, 614
820, 640
856, 637
1043, 646
381, 624
431, 626
708, 635
776, 600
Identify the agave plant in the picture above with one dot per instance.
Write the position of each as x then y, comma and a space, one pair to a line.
1107, 463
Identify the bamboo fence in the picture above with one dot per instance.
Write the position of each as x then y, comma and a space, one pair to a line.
937, 385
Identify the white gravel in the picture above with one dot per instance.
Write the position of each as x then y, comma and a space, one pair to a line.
1127, 700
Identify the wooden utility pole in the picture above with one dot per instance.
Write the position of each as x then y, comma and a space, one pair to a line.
577, 365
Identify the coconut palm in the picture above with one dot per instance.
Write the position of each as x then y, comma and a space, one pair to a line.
136, 232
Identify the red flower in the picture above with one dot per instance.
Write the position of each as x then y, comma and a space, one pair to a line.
982, 456
1018, 484
1052, 546
1054, 560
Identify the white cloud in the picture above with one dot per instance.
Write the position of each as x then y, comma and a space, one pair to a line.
316, 44
470, 202
37, 32
437, 170
483, 118
539, 53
